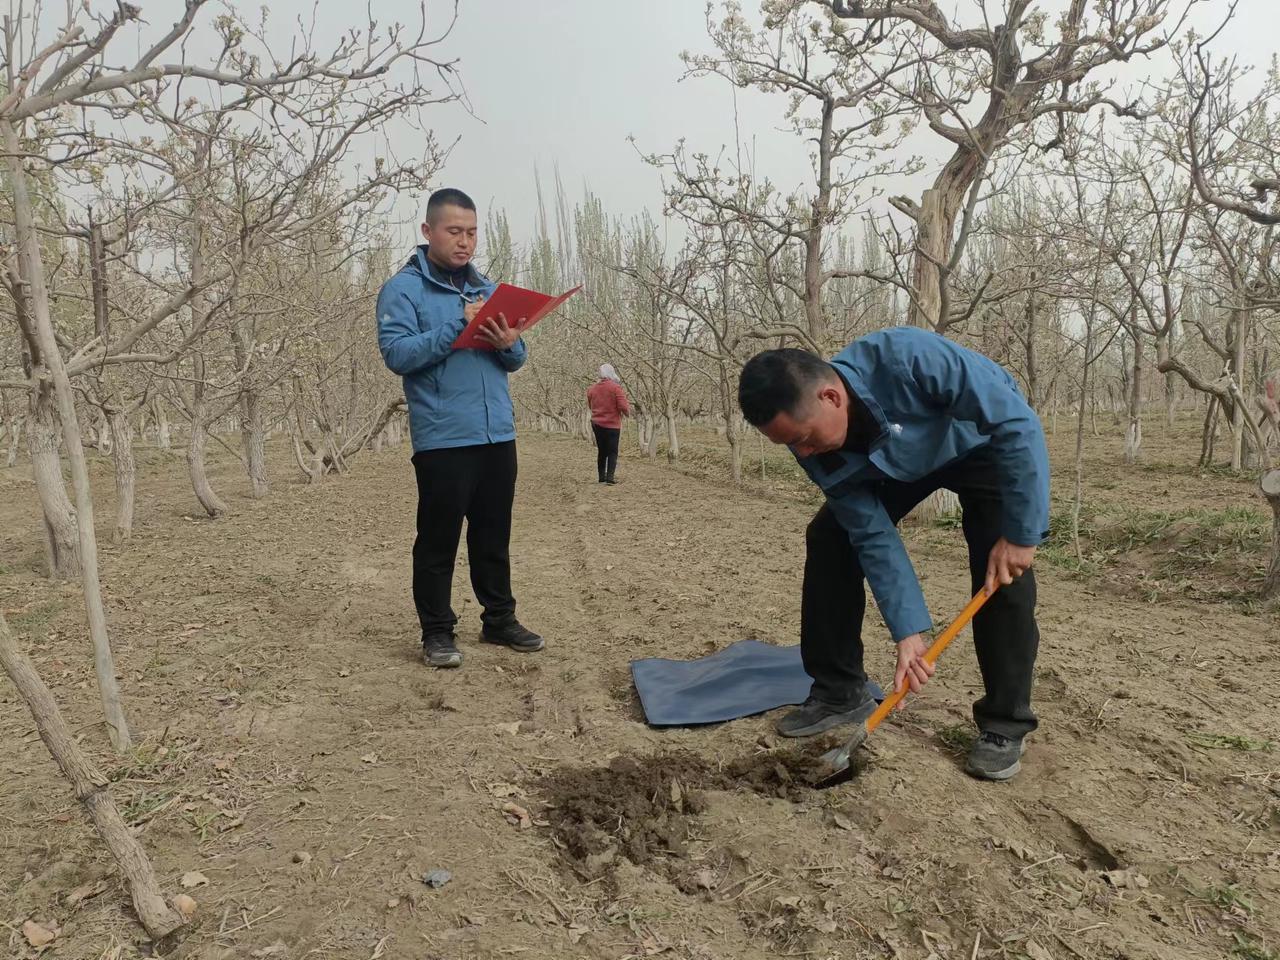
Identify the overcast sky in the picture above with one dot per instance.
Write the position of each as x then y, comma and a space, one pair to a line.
562, 84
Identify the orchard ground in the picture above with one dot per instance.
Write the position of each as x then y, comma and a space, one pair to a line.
295, 753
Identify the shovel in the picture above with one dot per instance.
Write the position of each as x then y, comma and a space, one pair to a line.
836, 762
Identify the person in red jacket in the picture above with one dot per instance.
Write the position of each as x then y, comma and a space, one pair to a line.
608, 402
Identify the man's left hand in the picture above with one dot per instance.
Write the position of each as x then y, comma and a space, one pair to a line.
913, 670
497, 334
1007, 562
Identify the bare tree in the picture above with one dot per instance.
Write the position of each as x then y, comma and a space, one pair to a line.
1228, 391
309, 94
1230, 142
627, 313
841, 101
1024, 74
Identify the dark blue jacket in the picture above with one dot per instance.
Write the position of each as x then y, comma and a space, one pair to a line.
456, 398
933, 402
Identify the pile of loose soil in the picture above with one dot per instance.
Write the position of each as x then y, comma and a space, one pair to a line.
645, 809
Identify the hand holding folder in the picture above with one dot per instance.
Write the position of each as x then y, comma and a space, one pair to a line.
520, 308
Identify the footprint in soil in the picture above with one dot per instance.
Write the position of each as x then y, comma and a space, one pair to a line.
644, 809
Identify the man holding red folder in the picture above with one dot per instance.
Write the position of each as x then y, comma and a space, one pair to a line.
462, 425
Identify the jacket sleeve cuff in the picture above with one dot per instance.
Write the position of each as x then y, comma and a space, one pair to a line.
1022, 535
906, 613
909, 624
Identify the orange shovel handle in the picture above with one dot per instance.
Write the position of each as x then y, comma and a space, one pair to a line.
931, 655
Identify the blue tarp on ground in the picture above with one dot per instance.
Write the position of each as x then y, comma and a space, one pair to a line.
745, 678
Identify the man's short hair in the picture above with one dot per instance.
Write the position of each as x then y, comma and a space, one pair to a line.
447, 197
779, 381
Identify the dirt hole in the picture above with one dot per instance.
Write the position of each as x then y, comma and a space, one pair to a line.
645, 809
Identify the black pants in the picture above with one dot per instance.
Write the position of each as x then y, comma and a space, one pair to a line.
606, 449
479, 484
1004, 631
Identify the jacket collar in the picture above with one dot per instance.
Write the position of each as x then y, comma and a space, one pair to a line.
473, 283
855, 382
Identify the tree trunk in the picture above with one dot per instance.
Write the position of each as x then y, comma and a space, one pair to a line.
92, 789
126, 472
1164, 350
1053, 408
163, 439
15, 437
729, 413
1210, 431
1077, 500
673, 437
819, 211
212, 504
36, 292
254, 436
105, 440
1033, 372
935, 227
312, 470
1240, 322
252, 428
62, 539
1133, 433
649, 436
933, 239
1271, 490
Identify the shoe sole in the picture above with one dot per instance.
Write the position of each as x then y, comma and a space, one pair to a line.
500, 643
857, 716
443, 663
1008, 773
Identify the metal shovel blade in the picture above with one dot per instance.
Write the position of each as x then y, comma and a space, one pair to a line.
837, 763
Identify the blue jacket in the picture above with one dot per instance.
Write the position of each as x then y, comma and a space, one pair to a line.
933, 402
456, 398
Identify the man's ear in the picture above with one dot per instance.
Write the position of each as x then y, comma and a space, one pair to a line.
426, 232
832, 394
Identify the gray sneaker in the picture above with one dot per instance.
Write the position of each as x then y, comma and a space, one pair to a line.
995, 757
816, 716
441, 650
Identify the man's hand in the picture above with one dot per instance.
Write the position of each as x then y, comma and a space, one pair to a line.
470, 310
497, 334
913, 669
1007, 562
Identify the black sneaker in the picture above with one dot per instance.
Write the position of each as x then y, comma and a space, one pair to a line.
995, 757
512, 634
816, 716
611, 481
441, 650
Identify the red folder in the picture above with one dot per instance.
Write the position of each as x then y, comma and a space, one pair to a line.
514, 303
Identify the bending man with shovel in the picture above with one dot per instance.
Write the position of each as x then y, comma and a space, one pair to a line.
896, 416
